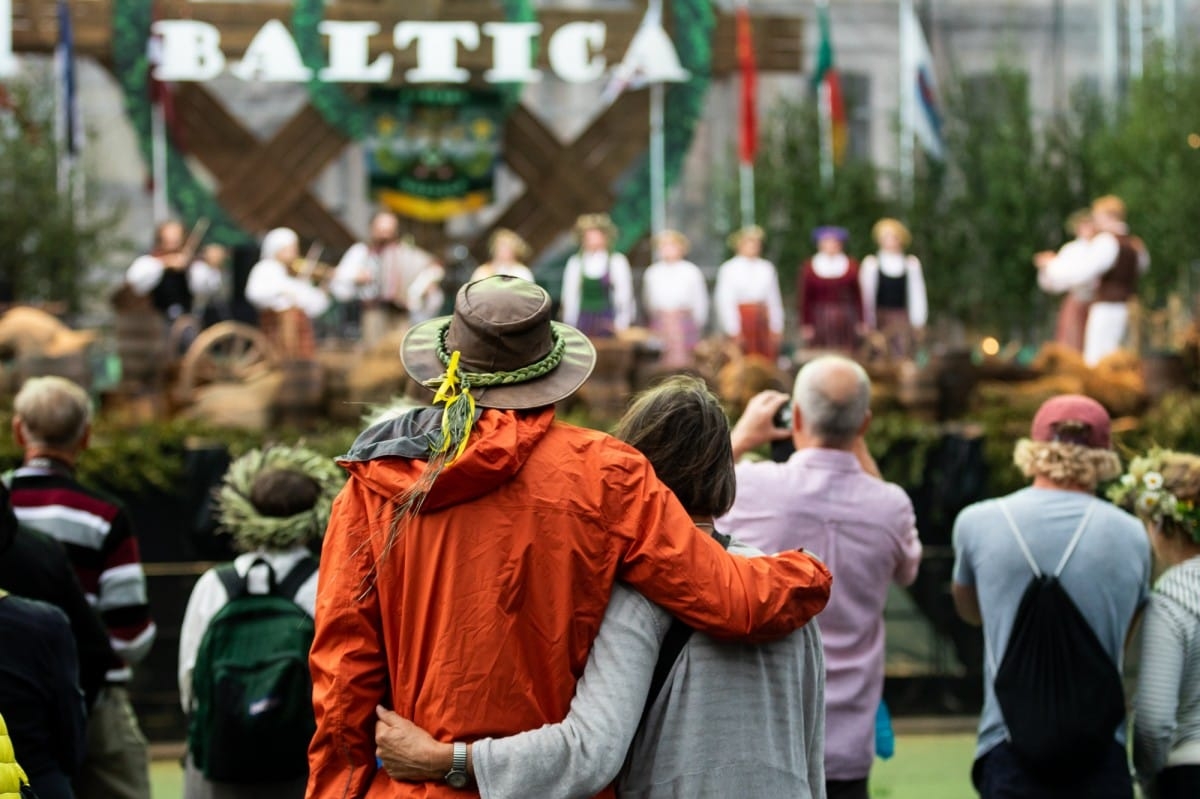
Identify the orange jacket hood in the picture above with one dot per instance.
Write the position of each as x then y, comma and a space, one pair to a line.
390, 457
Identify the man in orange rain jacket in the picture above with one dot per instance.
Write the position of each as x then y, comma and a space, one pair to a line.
470, 557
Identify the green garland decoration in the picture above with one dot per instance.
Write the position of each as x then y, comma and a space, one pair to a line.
694, 24
334, 103
191, 199
249, 528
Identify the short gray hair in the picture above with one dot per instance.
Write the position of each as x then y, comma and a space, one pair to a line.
53, 411
834, 397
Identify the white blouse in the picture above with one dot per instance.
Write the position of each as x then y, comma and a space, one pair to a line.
676, 286
741, 281
894, 264
270, 287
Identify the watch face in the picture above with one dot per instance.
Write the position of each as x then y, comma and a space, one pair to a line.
457, 779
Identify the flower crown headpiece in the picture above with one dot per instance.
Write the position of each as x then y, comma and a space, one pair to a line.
1142, 490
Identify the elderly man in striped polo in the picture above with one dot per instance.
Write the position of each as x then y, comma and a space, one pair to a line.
51, 423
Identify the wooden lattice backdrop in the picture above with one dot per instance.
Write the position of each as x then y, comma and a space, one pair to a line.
265, 183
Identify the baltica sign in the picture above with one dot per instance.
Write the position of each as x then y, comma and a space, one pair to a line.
191, 51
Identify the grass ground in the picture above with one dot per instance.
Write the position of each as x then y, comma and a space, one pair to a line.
926, 766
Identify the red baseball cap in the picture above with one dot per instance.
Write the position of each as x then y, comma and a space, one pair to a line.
1073, 419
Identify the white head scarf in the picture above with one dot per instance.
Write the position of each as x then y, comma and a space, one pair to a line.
276, 240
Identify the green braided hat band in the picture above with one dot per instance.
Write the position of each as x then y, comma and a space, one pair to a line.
533, 371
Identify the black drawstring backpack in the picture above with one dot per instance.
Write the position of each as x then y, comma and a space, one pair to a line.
1059, 691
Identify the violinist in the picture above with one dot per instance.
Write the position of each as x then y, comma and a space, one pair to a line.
287, 302
162, 275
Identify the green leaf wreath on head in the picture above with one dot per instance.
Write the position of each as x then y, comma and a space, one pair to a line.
252, 530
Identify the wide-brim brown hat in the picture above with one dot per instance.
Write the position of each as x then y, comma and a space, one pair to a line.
512, 353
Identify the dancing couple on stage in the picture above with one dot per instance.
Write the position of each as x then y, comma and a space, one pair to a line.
1099, 272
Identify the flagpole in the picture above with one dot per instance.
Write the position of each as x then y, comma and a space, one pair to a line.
1136, 38
1167, 27
908, 100
1110, 22
825, 120
658, 160
745, 164
158, 162
658, 146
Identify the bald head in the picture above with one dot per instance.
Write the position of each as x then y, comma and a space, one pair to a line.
833, 396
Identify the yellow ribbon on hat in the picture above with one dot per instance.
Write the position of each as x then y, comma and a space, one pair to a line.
458, 415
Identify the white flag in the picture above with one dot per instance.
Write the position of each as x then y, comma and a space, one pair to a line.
919, 86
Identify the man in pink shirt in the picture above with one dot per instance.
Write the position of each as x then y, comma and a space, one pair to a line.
828, 498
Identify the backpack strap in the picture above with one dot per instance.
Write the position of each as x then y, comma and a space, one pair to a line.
1070, 550
237, 585
1016, 531
234, 583
678, 634
296, 578
1083, 523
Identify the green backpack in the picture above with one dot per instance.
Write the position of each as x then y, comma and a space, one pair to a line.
252, 715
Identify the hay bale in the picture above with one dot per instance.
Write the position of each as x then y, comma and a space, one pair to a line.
245, 406
1057, 359
32, 333
1117, 383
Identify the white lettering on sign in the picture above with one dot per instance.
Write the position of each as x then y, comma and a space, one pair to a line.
437, 49
571, 51
191, 51
512, 52
272, 56
349, 52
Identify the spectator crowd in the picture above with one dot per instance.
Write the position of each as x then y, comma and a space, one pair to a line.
480, 599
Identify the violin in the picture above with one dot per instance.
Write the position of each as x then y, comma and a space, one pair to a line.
311, 269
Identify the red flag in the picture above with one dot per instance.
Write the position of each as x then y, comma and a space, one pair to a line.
748, 111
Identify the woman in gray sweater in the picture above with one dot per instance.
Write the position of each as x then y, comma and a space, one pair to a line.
678, 715
1163, 488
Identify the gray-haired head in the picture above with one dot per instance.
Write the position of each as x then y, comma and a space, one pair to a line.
834, 397
52, 412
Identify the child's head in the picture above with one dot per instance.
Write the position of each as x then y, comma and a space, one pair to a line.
278, 498
279, 493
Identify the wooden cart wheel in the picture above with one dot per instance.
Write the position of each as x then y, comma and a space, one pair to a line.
227, 352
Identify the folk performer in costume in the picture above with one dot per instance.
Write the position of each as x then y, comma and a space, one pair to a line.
163, 274
375, 277
597, 287
675, 298
1116, 260
286, 303
747, 299
829, 298
1077, 299
893, 289
508, 255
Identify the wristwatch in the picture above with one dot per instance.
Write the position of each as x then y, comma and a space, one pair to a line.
457, 777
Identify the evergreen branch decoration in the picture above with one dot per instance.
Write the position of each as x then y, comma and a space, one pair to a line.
187, 195
694, 24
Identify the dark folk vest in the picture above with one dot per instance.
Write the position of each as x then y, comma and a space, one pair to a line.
1120, 282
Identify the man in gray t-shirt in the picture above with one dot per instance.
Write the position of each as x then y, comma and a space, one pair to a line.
1107, 575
